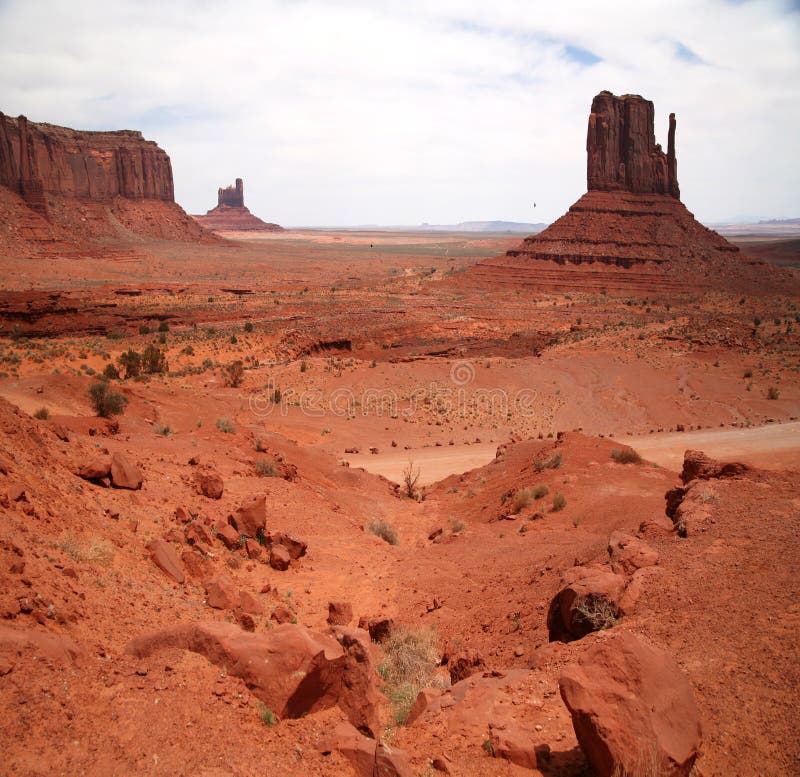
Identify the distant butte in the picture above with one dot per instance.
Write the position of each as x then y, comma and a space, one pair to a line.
231, 215
630, 231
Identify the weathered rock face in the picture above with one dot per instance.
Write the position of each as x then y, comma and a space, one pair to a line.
231, 215
621, 148
39, 159
232, 196
633, 709
630, 232
61, 188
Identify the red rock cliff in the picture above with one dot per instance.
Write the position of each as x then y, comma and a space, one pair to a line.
622, 153
39, 159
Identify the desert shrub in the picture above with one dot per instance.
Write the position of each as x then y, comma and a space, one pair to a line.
234, 340
266, 469
131, 362
226, 425
410, 479
266, 714
188, 350
105, 401
411, 657
626, 456
111, 372
773, 392
598, 612
559, 502
457, 525
248, 327
94, 549
154, 360
233, 373
42, 414
748, 374
144, 329
540, 491
303, 366
162, 429
276, 396
522, 499
554, 462
384, 530
163, 327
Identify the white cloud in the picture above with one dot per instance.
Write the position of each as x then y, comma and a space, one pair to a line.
376, 112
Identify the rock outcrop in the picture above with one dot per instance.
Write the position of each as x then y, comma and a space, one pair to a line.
86, 184
630, 232
231, 214
621, 149
633, 709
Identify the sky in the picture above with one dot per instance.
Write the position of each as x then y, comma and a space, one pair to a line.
345, 112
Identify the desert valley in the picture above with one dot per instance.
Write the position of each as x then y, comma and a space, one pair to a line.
389, 502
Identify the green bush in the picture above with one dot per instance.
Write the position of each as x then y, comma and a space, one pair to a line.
106, 401
266, 714
154, 360
111, 372
131, 362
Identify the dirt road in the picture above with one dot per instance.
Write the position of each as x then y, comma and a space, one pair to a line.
775, 446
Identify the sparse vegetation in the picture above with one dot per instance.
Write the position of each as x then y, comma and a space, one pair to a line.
266, 469
248, 327
410, 663
598, 612
559, 502
162, 429
554, 462
540, 491
266, 714
110, 372
154, 360
42, 414
773, 392
105, 401
233, 373
131, 362
522, 499
226, 425
411, 476
384, 530
457, 525
626, 456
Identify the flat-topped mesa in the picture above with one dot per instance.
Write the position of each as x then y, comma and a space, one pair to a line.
621, 148
232, 196
42, 159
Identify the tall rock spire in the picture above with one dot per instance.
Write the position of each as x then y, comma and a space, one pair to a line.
622, 153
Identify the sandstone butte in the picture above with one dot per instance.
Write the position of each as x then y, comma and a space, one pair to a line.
60, 188
232, 215
630, 231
